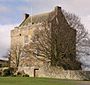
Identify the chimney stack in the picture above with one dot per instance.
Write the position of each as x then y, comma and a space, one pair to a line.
26, 16
57, 9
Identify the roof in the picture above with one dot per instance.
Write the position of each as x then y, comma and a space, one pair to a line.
39, 18
36, 19
3, 59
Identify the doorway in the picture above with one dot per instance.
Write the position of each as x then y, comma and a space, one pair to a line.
36, 72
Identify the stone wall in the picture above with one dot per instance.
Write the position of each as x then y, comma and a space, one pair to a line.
63, 38
18, 41
53, 72
63, 47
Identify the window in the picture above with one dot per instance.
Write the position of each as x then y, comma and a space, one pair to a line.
20, 34
26, 39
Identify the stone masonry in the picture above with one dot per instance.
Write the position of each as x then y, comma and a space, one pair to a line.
66, 39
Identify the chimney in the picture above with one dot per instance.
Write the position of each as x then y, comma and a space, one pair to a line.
26, 16
57, 9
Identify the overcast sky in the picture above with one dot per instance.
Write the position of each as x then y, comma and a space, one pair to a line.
12, 13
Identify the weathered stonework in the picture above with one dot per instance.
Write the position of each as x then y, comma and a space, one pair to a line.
56, 72
66, 36
66, 41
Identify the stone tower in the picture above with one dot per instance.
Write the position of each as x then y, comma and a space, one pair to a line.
65, 42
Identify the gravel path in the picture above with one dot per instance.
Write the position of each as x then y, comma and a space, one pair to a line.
83, 82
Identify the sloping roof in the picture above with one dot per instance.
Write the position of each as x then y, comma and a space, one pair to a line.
40, 17
4, 59
36, 19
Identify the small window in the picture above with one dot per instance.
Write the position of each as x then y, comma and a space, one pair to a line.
32, 22
26, 39
20, 34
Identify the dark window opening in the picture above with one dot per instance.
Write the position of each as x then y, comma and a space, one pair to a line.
20, 34
32, 22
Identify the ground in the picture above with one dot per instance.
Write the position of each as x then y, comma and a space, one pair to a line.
38, 81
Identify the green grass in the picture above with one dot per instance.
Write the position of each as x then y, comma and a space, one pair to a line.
34, 81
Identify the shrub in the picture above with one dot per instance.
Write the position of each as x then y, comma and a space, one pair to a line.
19, 74
8, 72
0, 73
25, 75
86, 79
22, 74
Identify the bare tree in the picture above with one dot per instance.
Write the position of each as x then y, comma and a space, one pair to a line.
45, 43
40, 44
82, 39
15, 55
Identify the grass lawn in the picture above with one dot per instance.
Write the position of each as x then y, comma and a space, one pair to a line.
35, 81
